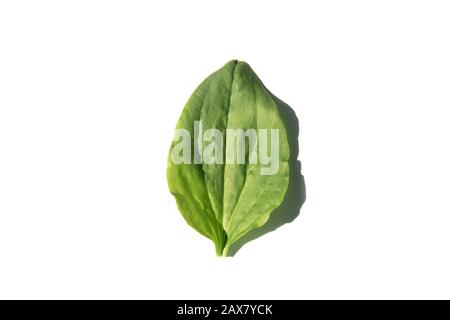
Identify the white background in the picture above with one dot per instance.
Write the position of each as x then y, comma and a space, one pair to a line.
90, 92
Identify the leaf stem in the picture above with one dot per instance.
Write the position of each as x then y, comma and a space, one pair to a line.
219, 249
225, 250
221, 243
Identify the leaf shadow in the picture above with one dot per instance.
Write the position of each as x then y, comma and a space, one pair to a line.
295, 196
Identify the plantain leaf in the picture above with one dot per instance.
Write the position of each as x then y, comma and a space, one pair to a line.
228, 163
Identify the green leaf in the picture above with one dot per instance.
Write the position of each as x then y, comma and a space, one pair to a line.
224, 199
